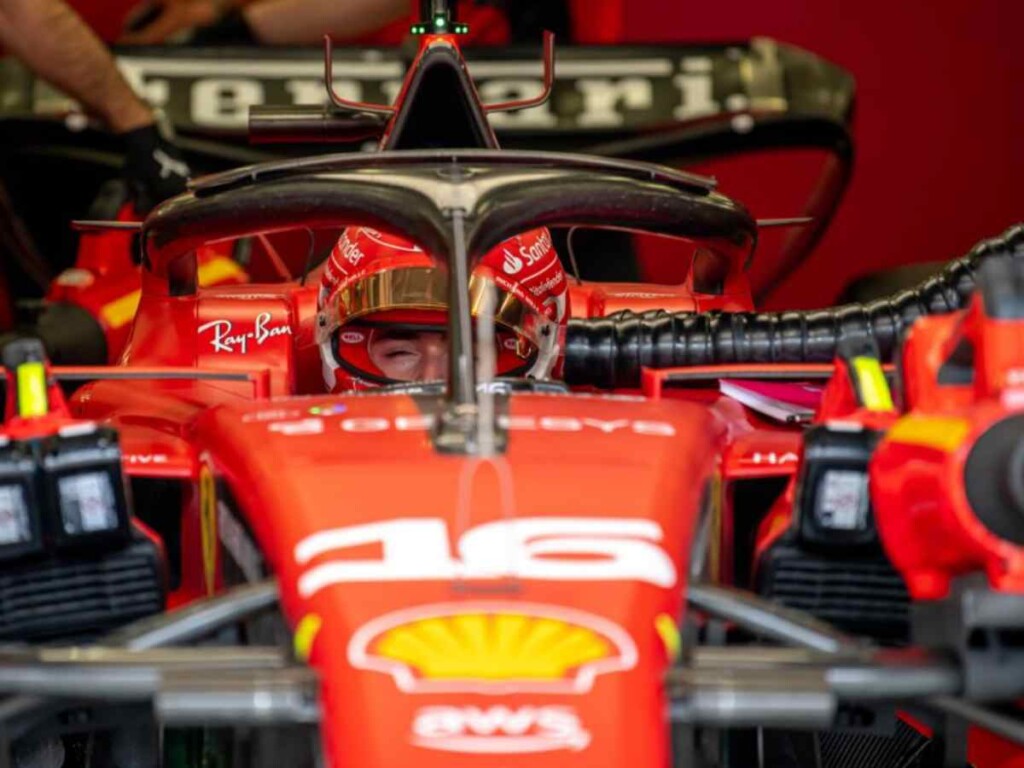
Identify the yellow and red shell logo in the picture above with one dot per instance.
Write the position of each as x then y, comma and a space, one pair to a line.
482, 647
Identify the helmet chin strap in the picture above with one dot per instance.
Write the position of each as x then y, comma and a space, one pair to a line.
329, 367
547, 352
547, 341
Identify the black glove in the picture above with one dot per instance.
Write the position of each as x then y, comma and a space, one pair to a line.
229, 29
154, 168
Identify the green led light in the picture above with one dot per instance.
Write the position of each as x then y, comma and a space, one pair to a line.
440, 25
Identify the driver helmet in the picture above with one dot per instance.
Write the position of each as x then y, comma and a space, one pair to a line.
383, 309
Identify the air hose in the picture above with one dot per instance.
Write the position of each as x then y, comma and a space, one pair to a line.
609, 352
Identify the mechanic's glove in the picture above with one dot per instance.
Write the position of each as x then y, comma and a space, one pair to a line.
230, 29
154, 168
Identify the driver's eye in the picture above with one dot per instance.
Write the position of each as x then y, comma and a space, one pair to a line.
397, 358
395, 354
395, 348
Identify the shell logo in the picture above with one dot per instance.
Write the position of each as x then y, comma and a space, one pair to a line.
497, 648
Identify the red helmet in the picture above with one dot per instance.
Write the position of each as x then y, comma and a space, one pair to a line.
383, 308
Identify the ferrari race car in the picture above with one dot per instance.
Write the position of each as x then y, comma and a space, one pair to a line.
637, 524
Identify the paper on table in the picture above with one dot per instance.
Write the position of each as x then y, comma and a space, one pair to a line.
787, 402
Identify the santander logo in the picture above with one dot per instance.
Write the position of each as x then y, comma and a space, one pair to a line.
539, 250
350, 251
513, 265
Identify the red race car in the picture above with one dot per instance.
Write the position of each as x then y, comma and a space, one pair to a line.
438, 502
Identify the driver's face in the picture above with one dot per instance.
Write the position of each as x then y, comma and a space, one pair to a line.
410, 355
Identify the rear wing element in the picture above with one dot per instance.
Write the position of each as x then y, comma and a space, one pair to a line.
599, 93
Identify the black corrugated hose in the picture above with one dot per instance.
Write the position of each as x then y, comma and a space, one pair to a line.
609, 352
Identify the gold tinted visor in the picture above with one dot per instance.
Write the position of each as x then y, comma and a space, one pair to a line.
426, 288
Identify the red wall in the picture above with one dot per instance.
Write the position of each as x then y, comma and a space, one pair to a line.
939, 125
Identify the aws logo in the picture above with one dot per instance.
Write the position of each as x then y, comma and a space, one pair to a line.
499, 729
492, 648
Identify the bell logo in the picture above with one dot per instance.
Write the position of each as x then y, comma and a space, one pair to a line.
492, 648
499, 729
513, 264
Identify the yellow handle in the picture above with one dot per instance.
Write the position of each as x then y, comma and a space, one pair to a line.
32, 397
874, 389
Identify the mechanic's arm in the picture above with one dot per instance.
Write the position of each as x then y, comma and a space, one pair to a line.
286, 22
271, 22
53, 41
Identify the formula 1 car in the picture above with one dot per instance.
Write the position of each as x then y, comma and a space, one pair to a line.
573, 571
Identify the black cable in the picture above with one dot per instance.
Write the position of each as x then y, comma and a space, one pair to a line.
610, 352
